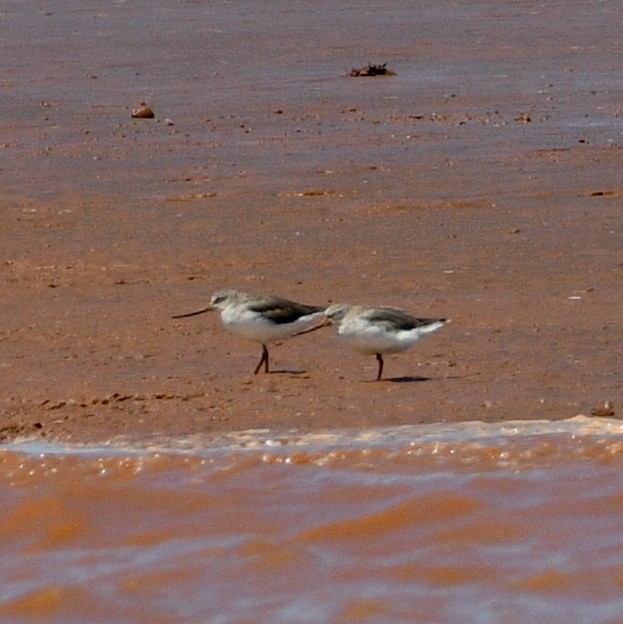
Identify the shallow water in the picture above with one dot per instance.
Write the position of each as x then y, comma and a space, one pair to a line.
515, 522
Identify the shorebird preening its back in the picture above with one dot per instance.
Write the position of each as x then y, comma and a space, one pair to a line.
378, 330
262, 319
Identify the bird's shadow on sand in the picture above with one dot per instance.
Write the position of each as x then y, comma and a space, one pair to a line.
407, 379
287, 371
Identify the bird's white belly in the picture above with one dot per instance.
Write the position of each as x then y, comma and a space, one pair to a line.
255, 327
375, 340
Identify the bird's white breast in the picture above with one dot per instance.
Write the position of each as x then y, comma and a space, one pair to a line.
258, 328
368, 337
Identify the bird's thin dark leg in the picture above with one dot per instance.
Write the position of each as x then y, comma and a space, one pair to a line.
379, 359
263, 360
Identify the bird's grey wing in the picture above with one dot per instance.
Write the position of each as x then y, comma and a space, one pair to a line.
280, 310
397, 320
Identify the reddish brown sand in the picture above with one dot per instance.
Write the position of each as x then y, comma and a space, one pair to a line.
482, 182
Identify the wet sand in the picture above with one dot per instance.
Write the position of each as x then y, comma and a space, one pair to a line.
481, 182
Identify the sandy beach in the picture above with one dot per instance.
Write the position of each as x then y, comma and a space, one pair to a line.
481, 182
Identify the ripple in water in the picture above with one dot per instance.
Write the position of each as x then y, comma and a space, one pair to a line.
473, 523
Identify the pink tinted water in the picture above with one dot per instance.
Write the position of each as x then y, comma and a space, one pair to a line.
472, 523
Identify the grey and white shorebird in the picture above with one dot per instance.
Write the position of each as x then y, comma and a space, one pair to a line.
263, 319
376, 330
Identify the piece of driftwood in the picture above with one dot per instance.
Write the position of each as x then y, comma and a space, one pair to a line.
372, 70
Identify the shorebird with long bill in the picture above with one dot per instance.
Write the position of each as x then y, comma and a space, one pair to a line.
262, 319
376, 330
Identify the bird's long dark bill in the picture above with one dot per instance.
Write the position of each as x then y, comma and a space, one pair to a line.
208, 309
312, 329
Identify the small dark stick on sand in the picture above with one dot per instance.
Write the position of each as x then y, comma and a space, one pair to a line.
372, 70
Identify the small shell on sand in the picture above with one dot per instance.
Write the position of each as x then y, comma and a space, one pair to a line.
142, 111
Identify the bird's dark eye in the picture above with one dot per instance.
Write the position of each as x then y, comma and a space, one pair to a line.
218, 299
